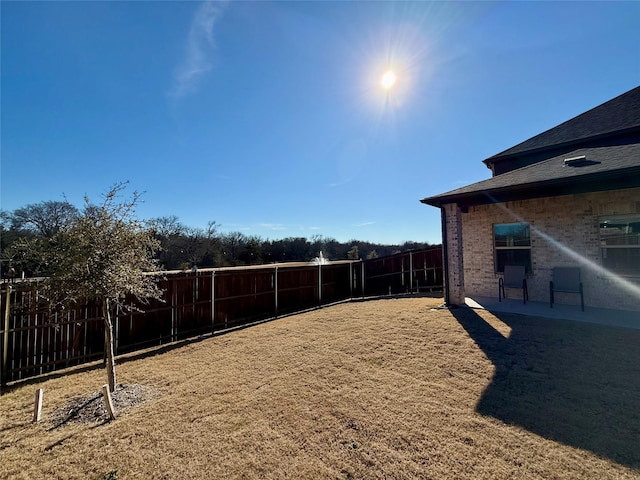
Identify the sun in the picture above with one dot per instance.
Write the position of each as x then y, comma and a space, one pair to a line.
388, 80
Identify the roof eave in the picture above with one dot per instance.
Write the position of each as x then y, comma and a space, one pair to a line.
596, 182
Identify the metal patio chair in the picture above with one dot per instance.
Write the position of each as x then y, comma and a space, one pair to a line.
566, 280
514, 277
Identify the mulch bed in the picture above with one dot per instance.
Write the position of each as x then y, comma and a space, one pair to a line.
91, 408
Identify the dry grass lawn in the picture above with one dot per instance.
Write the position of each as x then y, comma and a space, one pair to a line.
376, 389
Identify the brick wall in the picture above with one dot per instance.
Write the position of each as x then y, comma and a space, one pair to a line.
564, 232
455, 272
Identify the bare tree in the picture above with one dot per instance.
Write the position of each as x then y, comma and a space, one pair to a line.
167, 226
44, 218
105, 254
232, 243
212, 229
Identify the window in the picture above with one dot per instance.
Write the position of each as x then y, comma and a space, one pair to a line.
620, 243
512, 243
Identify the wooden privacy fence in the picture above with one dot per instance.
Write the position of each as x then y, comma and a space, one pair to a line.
35, 340
403, 273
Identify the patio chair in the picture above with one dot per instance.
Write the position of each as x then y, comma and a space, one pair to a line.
566, 280
514, 277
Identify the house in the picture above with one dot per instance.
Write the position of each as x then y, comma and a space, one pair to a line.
569, 196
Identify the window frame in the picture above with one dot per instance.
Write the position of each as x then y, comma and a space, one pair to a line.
617, 221
498, 248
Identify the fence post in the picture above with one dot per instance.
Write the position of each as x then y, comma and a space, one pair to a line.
275, 288
351, 279
116, 328
362, 265
411, 272
319, 284
213, 301
174, 313
5, 341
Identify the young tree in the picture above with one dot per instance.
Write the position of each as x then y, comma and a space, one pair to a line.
372, 254
353, 254
105, 254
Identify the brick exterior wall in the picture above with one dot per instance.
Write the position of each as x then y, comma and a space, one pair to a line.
564, 232
455, 277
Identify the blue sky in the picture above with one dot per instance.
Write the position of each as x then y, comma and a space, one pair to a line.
269, 117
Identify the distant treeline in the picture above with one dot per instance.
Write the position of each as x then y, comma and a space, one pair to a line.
185, 247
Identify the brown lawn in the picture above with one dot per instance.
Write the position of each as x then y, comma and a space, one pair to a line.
377, 389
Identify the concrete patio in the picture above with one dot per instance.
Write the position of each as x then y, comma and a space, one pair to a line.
603, 316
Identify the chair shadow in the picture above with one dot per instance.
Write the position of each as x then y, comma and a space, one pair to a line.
570, 382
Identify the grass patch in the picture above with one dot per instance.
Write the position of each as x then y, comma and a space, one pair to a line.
377, 389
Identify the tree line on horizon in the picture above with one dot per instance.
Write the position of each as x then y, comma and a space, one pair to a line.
183, 247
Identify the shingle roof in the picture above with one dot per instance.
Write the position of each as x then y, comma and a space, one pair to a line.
617, 165
617, 115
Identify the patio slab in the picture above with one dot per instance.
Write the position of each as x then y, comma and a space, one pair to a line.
602, 316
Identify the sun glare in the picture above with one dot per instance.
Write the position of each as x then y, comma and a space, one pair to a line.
391, 63
388, 80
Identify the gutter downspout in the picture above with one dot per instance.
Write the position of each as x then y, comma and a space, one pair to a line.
445, 255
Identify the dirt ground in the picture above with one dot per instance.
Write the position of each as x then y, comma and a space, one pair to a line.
391, 388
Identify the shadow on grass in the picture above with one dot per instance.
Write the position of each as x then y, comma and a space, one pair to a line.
570, 382
73, 412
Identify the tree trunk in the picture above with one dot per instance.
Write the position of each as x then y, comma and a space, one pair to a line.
108, 344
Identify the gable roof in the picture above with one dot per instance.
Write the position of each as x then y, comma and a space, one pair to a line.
617, 116
608, 136
604, 168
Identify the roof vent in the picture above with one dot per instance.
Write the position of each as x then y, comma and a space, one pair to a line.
575, 161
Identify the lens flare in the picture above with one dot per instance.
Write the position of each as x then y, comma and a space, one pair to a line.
388, 80
596, 268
